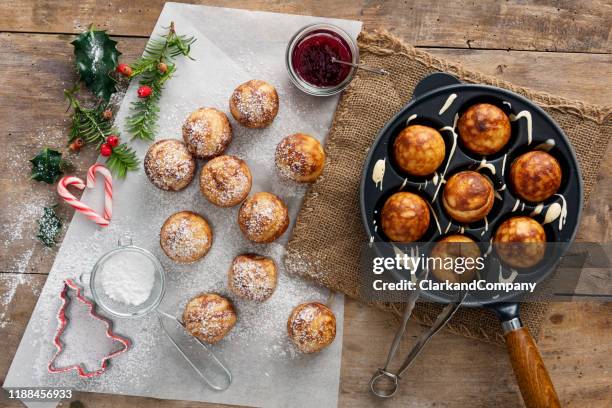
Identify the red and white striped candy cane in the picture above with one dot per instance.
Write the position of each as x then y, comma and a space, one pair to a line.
62, 190
108, 186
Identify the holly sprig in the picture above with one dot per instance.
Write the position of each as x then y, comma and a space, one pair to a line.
154, 68
95, 57
94, 126
47, 166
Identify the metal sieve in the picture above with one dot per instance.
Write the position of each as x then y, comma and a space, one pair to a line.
197, 353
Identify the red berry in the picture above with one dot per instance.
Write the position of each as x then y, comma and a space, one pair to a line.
107, 114
124, 69
106, 150
162, 67
112, 141
144, 91
76, 145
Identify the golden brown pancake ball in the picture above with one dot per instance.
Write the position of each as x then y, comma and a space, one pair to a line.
300, 157
311, 327
185, 237
453, 247
254, 104
225, 181
263, 217
535, 176
252, 277
468, 196
484, 129
209, 317
520, 242
169, 165
419, 150
404, 217
207, 133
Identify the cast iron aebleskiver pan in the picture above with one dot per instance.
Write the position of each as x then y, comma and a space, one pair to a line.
429, 96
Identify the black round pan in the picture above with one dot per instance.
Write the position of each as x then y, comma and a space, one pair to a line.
426, 108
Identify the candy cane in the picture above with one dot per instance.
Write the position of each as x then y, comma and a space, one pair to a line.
108, 186
62, 190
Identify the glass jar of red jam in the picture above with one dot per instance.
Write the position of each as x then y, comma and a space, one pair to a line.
310, 55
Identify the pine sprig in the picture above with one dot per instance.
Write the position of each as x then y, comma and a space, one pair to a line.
88, 124
159, 52
92, 127
122, 159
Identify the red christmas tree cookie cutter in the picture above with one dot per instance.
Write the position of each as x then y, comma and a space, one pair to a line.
63, 322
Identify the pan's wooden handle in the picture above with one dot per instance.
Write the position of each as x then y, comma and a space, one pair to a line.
533, 379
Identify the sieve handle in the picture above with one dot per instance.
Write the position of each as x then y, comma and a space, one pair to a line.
198, 354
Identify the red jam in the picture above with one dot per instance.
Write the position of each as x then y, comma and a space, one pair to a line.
312, 58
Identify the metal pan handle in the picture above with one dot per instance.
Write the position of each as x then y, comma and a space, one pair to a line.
199, 356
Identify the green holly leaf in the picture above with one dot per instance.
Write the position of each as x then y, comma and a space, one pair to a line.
49, 227
96, 55
47, 166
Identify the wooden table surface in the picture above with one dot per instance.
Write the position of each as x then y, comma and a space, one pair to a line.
557, 46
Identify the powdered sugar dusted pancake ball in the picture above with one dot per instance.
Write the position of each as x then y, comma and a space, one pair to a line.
300, 157
185, 237
169, 165
225, 181
484, 128
311, 327
252, 277
419, 150
263, 217
209, 317
207, 132
254, 104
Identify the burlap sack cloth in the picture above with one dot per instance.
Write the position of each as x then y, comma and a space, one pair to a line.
328, 232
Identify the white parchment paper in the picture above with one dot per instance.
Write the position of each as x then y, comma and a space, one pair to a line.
232, 46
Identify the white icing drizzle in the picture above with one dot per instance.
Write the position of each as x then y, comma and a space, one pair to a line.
449, 101
489, 249
461, 230
509, 279
484, 165
497, 195
546, 146
516, 205
504, 164
522, 206
450, 156
435, 179
537, 210
555, 211
527, 115
486, 226
433, 212
411, 118
378, 173
507, 103
403, 184
448, 227
372, 239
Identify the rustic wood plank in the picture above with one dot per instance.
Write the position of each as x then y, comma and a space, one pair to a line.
573, 345
18, 295
546, 26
